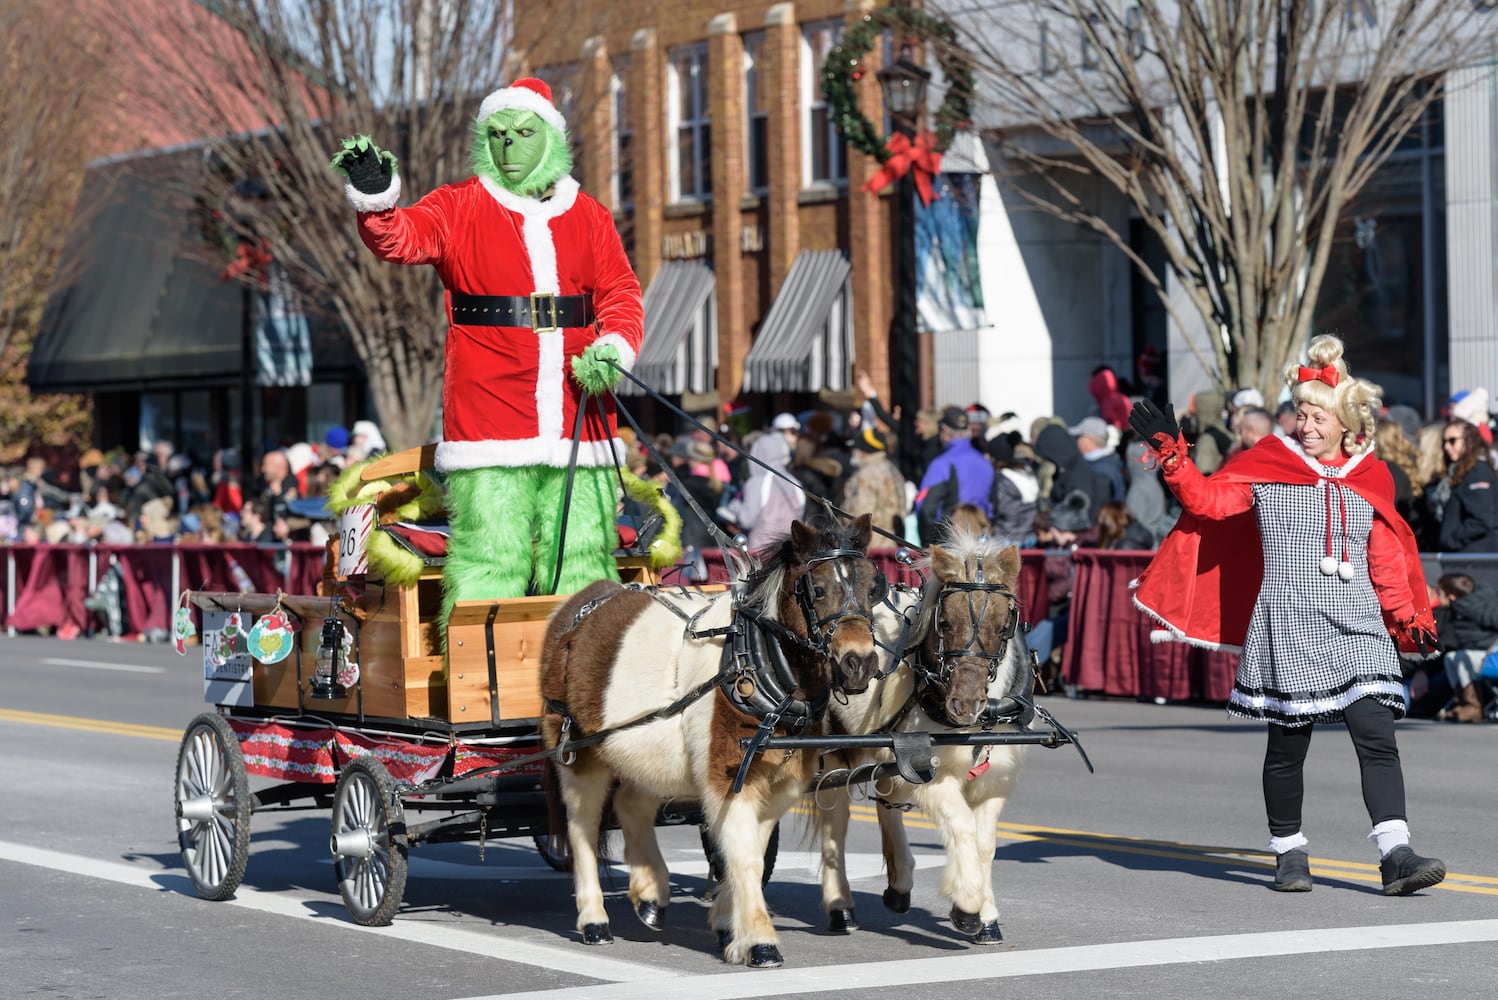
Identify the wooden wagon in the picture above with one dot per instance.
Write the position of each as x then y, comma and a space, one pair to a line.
413, 750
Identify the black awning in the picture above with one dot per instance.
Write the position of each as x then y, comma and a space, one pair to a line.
131, 309
805, 343
680, 350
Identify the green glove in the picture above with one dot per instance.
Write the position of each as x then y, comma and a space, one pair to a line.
367, 167
594, 368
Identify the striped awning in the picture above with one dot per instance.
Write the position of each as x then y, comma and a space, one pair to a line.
680, 350
805, 343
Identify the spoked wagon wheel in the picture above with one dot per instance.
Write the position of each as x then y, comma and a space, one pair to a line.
369, 842
213, 807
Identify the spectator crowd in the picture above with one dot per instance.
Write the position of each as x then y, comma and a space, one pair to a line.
1051, 485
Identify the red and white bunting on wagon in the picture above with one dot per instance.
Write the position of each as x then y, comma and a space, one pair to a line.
412, 763
276, 751
471, 757
315, 756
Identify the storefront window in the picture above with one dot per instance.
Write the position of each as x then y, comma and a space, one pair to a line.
1384, 291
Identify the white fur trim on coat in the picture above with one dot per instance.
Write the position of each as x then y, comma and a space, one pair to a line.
626, 353
532, 451
541, 249
525, 100
374, 202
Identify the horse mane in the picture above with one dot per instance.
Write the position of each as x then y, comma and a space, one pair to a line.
765, 582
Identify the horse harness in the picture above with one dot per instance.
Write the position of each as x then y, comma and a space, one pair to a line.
755, 675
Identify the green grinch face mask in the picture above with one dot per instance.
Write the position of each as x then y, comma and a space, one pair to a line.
521, 152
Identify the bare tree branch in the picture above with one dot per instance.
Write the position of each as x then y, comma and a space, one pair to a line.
1238, 130
272, 86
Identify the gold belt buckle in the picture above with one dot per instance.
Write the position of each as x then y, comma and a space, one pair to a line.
550, 302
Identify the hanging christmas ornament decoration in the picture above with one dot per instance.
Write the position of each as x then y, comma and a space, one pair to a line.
183, 628
272, 637
231, 641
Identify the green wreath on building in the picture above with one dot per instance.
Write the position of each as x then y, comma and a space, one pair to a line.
845, 68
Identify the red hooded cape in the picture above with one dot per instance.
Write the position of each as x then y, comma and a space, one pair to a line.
1203, 582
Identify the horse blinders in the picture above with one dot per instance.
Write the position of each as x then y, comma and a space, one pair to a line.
974, 646
807, 595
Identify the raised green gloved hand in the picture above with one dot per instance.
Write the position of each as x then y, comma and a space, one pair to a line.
368, 167
594, 368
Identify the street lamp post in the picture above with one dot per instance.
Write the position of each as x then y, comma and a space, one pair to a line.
904, 86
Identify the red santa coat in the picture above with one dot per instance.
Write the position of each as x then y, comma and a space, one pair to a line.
1203, 581
507, 392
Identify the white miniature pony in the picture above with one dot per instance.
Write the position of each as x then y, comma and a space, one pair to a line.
965, 660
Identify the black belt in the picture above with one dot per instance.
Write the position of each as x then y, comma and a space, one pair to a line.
540, 312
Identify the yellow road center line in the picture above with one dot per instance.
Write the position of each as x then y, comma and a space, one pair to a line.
1355, 871
91, 725
1019, 833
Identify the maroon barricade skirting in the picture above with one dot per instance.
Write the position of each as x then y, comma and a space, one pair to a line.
1108, 648
52, 581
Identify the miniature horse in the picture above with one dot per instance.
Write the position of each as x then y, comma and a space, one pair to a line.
964, 650
656, 671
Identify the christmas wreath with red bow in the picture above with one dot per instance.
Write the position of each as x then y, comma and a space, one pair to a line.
845, 68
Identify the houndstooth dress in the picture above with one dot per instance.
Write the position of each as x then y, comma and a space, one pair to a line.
1315, 643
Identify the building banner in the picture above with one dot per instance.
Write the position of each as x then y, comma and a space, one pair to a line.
283, 338
949, 294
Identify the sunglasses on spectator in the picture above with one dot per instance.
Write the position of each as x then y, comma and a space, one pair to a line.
1455, 440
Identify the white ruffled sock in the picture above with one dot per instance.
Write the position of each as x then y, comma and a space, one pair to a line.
1389, 834
1279, 845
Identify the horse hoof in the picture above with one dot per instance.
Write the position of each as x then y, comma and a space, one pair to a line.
842, 921
968, 923
898, 902
989, 934
765, 956
597, 934
725, 938
650, 914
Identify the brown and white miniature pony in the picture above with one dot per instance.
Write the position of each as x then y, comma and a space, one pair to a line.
614, 659
964, 650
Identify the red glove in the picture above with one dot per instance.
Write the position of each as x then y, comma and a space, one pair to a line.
1416, 633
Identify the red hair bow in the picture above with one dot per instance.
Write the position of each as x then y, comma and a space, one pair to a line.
1328, 375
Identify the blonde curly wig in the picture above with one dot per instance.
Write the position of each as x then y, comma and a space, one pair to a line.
1355, 402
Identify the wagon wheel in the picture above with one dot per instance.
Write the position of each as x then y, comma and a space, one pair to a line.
369, 842
716, 868
554, 850
213, 807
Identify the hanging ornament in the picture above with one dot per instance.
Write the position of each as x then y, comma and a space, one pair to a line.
1329, 566
272, 637
232, 640
348, 669
183, 628
1345, 571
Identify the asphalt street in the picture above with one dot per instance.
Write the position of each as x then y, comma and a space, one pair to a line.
1146, 878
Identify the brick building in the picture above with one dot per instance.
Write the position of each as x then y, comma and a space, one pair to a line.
705, 130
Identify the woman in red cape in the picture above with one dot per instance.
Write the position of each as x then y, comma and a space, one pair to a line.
1294, 553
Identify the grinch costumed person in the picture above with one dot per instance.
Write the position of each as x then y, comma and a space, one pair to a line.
1294, 552
542, 304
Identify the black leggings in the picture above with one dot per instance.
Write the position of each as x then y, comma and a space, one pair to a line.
1371, 726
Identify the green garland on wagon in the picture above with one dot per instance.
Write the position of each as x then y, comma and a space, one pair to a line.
844, 69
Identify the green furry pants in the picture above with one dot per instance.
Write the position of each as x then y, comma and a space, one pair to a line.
505, 526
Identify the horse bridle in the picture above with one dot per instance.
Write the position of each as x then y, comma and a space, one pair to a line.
817, 627
975, 647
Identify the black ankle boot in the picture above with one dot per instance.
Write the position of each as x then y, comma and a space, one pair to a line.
1405, 872
1292, 872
